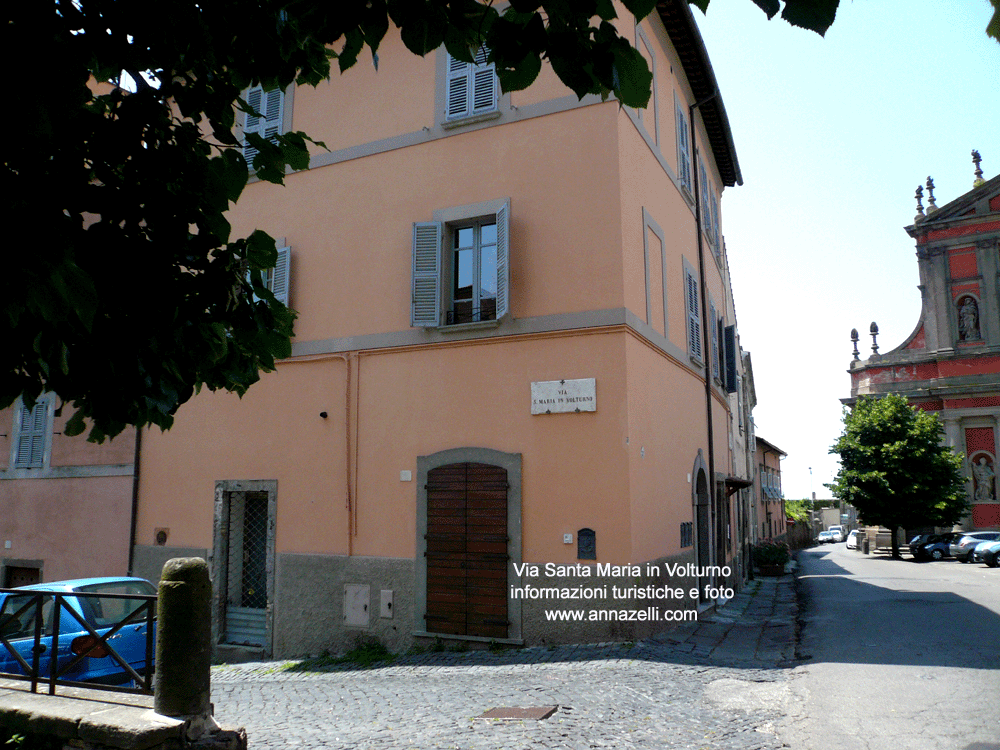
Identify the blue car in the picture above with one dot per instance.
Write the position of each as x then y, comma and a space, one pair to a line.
992, 555
103, 604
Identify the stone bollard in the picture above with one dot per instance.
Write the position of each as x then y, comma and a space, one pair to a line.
184, 645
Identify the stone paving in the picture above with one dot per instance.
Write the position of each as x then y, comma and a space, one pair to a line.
717, 684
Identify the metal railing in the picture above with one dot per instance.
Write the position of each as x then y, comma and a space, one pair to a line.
89, 644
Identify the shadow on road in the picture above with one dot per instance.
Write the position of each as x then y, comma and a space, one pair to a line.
849, 620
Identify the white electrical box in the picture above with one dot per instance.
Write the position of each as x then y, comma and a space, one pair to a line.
356, 604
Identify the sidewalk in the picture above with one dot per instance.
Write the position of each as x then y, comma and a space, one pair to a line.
757, 625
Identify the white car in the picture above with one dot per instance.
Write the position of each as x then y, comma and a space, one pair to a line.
852, 540
838, 533
824, 537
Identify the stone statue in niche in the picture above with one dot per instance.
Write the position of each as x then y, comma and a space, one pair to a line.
968, 320
984, 480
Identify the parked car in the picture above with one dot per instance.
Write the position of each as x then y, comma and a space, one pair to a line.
921, 539
852, 539
825, 537
933, 546
992, 555
838, 533
963, 547
980, 550
936, 550
101, 613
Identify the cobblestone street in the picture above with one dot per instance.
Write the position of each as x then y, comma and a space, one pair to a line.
717, 684
638, 697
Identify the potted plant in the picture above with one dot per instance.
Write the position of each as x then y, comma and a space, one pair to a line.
770, 557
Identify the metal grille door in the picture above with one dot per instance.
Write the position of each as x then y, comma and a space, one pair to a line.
246, 608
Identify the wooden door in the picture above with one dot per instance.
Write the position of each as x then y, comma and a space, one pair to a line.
467, 550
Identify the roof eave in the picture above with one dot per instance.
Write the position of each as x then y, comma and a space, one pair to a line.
686, 38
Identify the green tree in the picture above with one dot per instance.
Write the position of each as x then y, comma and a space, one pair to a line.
124, 292
798, 509
894, 468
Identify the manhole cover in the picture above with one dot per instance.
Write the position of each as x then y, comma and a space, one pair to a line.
536, 713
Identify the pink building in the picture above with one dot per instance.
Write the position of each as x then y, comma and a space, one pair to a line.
771, 520
516, 368
66, 505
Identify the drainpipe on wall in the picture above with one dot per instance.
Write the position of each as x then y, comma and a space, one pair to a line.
706, 334
135, 498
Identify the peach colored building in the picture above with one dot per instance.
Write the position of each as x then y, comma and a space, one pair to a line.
65, 504
771, 520
515, 365
950, 363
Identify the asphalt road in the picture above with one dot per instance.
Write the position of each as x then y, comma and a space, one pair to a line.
901, 654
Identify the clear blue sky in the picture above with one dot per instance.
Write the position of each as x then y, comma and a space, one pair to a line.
833, 135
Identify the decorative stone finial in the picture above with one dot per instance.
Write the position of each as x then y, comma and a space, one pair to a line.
873, 329
931, 203
919, 195
976, 159
854, 340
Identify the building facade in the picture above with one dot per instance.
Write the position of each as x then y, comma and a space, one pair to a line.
515, 367
66, 505
950, 363
771, 520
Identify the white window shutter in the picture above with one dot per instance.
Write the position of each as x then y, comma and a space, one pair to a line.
503, 260
694, 323
425, 308
280, 275
484, 88
270, 104
457, 94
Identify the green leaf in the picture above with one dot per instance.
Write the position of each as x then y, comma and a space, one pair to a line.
521, 76
632, 75
76, 288
425, 33
75, 424
993, 29
815, 15
770, 7
262, 251
640, 8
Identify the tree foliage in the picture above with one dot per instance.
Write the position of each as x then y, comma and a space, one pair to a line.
124, 291
894, 468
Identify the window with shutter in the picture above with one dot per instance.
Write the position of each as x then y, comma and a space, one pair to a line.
715, 341
278, 278
683, 148
472, 88
693, 320
463, 264
268, 121
32, 435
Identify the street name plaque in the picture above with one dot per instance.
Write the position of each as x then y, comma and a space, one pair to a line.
562, 396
